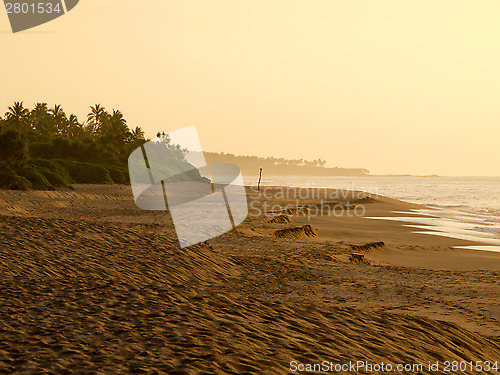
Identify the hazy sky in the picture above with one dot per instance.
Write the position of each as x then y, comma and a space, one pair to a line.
391, 86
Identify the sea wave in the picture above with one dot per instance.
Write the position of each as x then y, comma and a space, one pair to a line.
465, 207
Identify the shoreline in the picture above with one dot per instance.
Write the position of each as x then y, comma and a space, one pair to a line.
483, 209
347, 229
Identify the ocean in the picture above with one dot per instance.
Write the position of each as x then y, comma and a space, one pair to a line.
457, 207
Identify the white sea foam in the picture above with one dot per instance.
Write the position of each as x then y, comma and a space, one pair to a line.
466, 208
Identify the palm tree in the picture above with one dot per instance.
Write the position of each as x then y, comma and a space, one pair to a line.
41, 120
73, 126
95, 118
17, 117
114, 129
164, 138
138, 134
59, 119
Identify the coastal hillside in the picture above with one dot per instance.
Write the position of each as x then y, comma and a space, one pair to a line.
250, 165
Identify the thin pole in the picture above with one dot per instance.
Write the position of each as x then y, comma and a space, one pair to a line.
260, 177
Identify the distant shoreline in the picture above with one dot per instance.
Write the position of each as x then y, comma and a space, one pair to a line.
364, 175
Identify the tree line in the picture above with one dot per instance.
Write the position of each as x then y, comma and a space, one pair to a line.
45, 147
43, 124
250, 165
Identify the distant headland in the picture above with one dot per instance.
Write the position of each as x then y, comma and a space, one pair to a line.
250, 165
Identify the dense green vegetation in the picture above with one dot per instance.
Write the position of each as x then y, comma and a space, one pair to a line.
43, 147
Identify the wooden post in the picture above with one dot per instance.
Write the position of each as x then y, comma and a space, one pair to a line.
260, 177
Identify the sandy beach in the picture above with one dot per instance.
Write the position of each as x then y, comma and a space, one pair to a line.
92, 284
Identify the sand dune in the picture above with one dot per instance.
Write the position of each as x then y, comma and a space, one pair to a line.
295, 232
90, 284
281, 219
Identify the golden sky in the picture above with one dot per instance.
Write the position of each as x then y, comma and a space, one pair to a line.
391, 86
